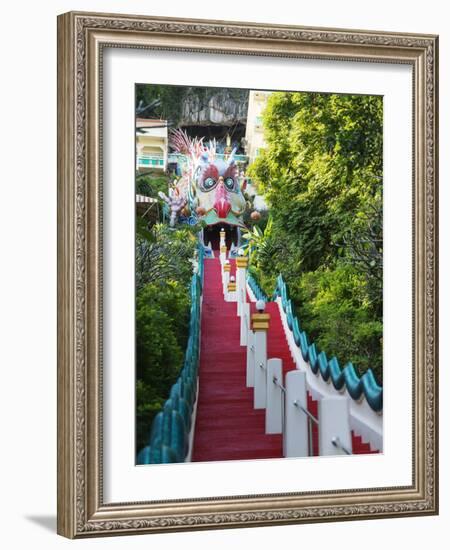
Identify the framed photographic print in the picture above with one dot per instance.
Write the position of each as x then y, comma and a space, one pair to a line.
247, 284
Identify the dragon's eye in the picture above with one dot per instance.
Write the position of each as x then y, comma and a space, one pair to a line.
209, 183
229, 183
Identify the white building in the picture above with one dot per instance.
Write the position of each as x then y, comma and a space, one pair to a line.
151, 144
254, 135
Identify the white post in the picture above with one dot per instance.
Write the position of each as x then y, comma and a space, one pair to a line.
230, 295
274, 424
222, 237
241, 279
295, 437
223, 254
259, 395
250, 378
245, 323
334, 426
226, 277
260, 325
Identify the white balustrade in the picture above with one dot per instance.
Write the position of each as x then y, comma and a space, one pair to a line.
223, 254
241, 280
259, 395
231, 294
226, 269
250, 374
334, 426
275, 397
295, 437
245, 323
363, 419
240, 294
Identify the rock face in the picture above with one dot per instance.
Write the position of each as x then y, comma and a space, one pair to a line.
224, 108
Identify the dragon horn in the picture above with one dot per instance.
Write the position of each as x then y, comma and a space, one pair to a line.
231, 157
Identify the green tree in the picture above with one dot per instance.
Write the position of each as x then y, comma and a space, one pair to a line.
163, 254
321, 174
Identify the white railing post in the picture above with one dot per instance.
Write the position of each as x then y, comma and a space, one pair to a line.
250, 378
222, 237
241, 279
260, 325
274, 409
295, 437
223, 254
334, 426
226, 276
231, 290
245, 323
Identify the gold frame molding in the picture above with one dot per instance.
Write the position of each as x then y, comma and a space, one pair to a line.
81, 38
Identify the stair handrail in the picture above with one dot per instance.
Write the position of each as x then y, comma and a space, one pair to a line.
256, 289
347, 377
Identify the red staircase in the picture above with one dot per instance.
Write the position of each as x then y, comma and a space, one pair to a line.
227, 426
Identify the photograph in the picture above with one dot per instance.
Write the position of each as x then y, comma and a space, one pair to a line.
247, 260
258, 274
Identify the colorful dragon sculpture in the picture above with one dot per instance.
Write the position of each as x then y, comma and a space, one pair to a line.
210, 185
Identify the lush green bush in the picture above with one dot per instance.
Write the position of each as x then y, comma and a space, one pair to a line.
164, 253
162, 317
333, 305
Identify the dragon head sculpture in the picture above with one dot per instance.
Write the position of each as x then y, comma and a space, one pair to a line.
211, 185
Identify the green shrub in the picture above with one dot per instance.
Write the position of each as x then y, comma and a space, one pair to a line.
332, 308
162, 316
163, 274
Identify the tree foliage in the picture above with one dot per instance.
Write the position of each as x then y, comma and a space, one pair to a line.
163, 254
163, 272
321, 174
150, 184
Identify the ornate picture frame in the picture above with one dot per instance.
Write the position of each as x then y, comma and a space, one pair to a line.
82, 38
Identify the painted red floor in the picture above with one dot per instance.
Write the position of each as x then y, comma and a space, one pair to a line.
227, 426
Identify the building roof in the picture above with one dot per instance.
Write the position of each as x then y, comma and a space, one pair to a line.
150, 122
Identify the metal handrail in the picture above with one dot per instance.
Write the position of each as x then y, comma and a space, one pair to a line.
283, 403
347, 377
336, 442
277, 383
308, 414
311, 418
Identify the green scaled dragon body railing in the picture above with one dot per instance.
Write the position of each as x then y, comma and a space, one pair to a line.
169, 433
329, 369
255, 288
